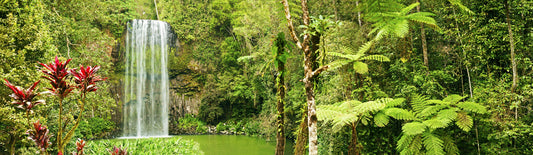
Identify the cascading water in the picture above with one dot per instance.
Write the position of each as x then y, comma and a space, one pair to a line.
146, 86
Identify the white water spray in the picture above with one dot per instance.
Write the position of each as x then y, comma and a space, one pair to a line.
146, 87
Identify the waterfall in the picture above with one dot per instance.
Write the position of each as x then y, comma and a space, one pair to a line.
146, 86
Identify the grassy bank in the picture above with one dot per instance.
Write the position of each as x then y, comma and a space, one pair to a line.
171, 145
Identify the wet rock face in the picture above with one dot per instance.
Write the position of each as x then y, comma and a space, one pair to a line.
184, 84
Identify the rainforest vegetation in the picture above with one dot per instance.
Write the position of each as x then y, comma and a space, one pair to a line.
313, 76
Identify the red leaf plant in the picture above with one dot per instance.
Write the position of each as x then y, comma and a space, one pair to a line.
79, 147
118, 151
40, 136
57, 72
86, 78
24, 98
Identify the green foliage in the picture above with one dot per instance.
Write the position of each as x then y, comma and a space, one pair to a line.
95, 128
171, 145
430, 116
191, 125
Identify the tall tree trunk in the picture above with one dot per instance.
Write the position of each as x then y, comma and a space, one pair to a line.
423, 38
511, 42
303, 133
309, 46
280, 136
354, 150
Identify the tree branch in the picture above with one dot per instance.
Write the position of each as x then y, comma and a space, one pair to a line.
289, 23
319, 70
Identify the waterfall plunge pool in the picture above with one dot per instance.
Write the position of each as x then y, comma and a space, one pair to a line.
232, 144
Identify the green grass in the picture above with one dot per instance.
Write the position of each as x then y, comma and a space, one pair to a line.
171, 145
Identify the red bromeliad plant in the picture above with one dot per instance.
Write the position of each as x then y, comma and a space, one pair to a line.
57, 73
118, 151
79, 147
40, 136
25, 98
85, 79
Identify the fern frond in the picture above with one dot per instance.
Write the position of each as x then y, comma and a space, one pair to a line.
407, 9
454, 98
379, 58
438, 102
365, 48
343, 120
401, 28
416, 145
395, 102
461, 6
337, 63
399, 114
472, 107
360, 67
447, 115
381, 119
430, 110
436, 123
419, 102
449, 147
464, 121
404, 142
433, 144
372, 106
413, 128
347, 56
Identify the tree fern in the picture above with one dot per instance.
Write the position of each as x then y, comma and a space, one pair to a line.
360, 67
397, 23
356, 59
433, 144
454, 98
464, 121
419, 103
431, 110
449, 146
379, 58
472, 107
436, 123
413, 128
400, 114
381, 119
431, 115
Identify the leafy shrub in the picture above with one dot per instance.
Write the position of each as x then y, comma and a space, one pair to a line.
172, 145
96, 128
